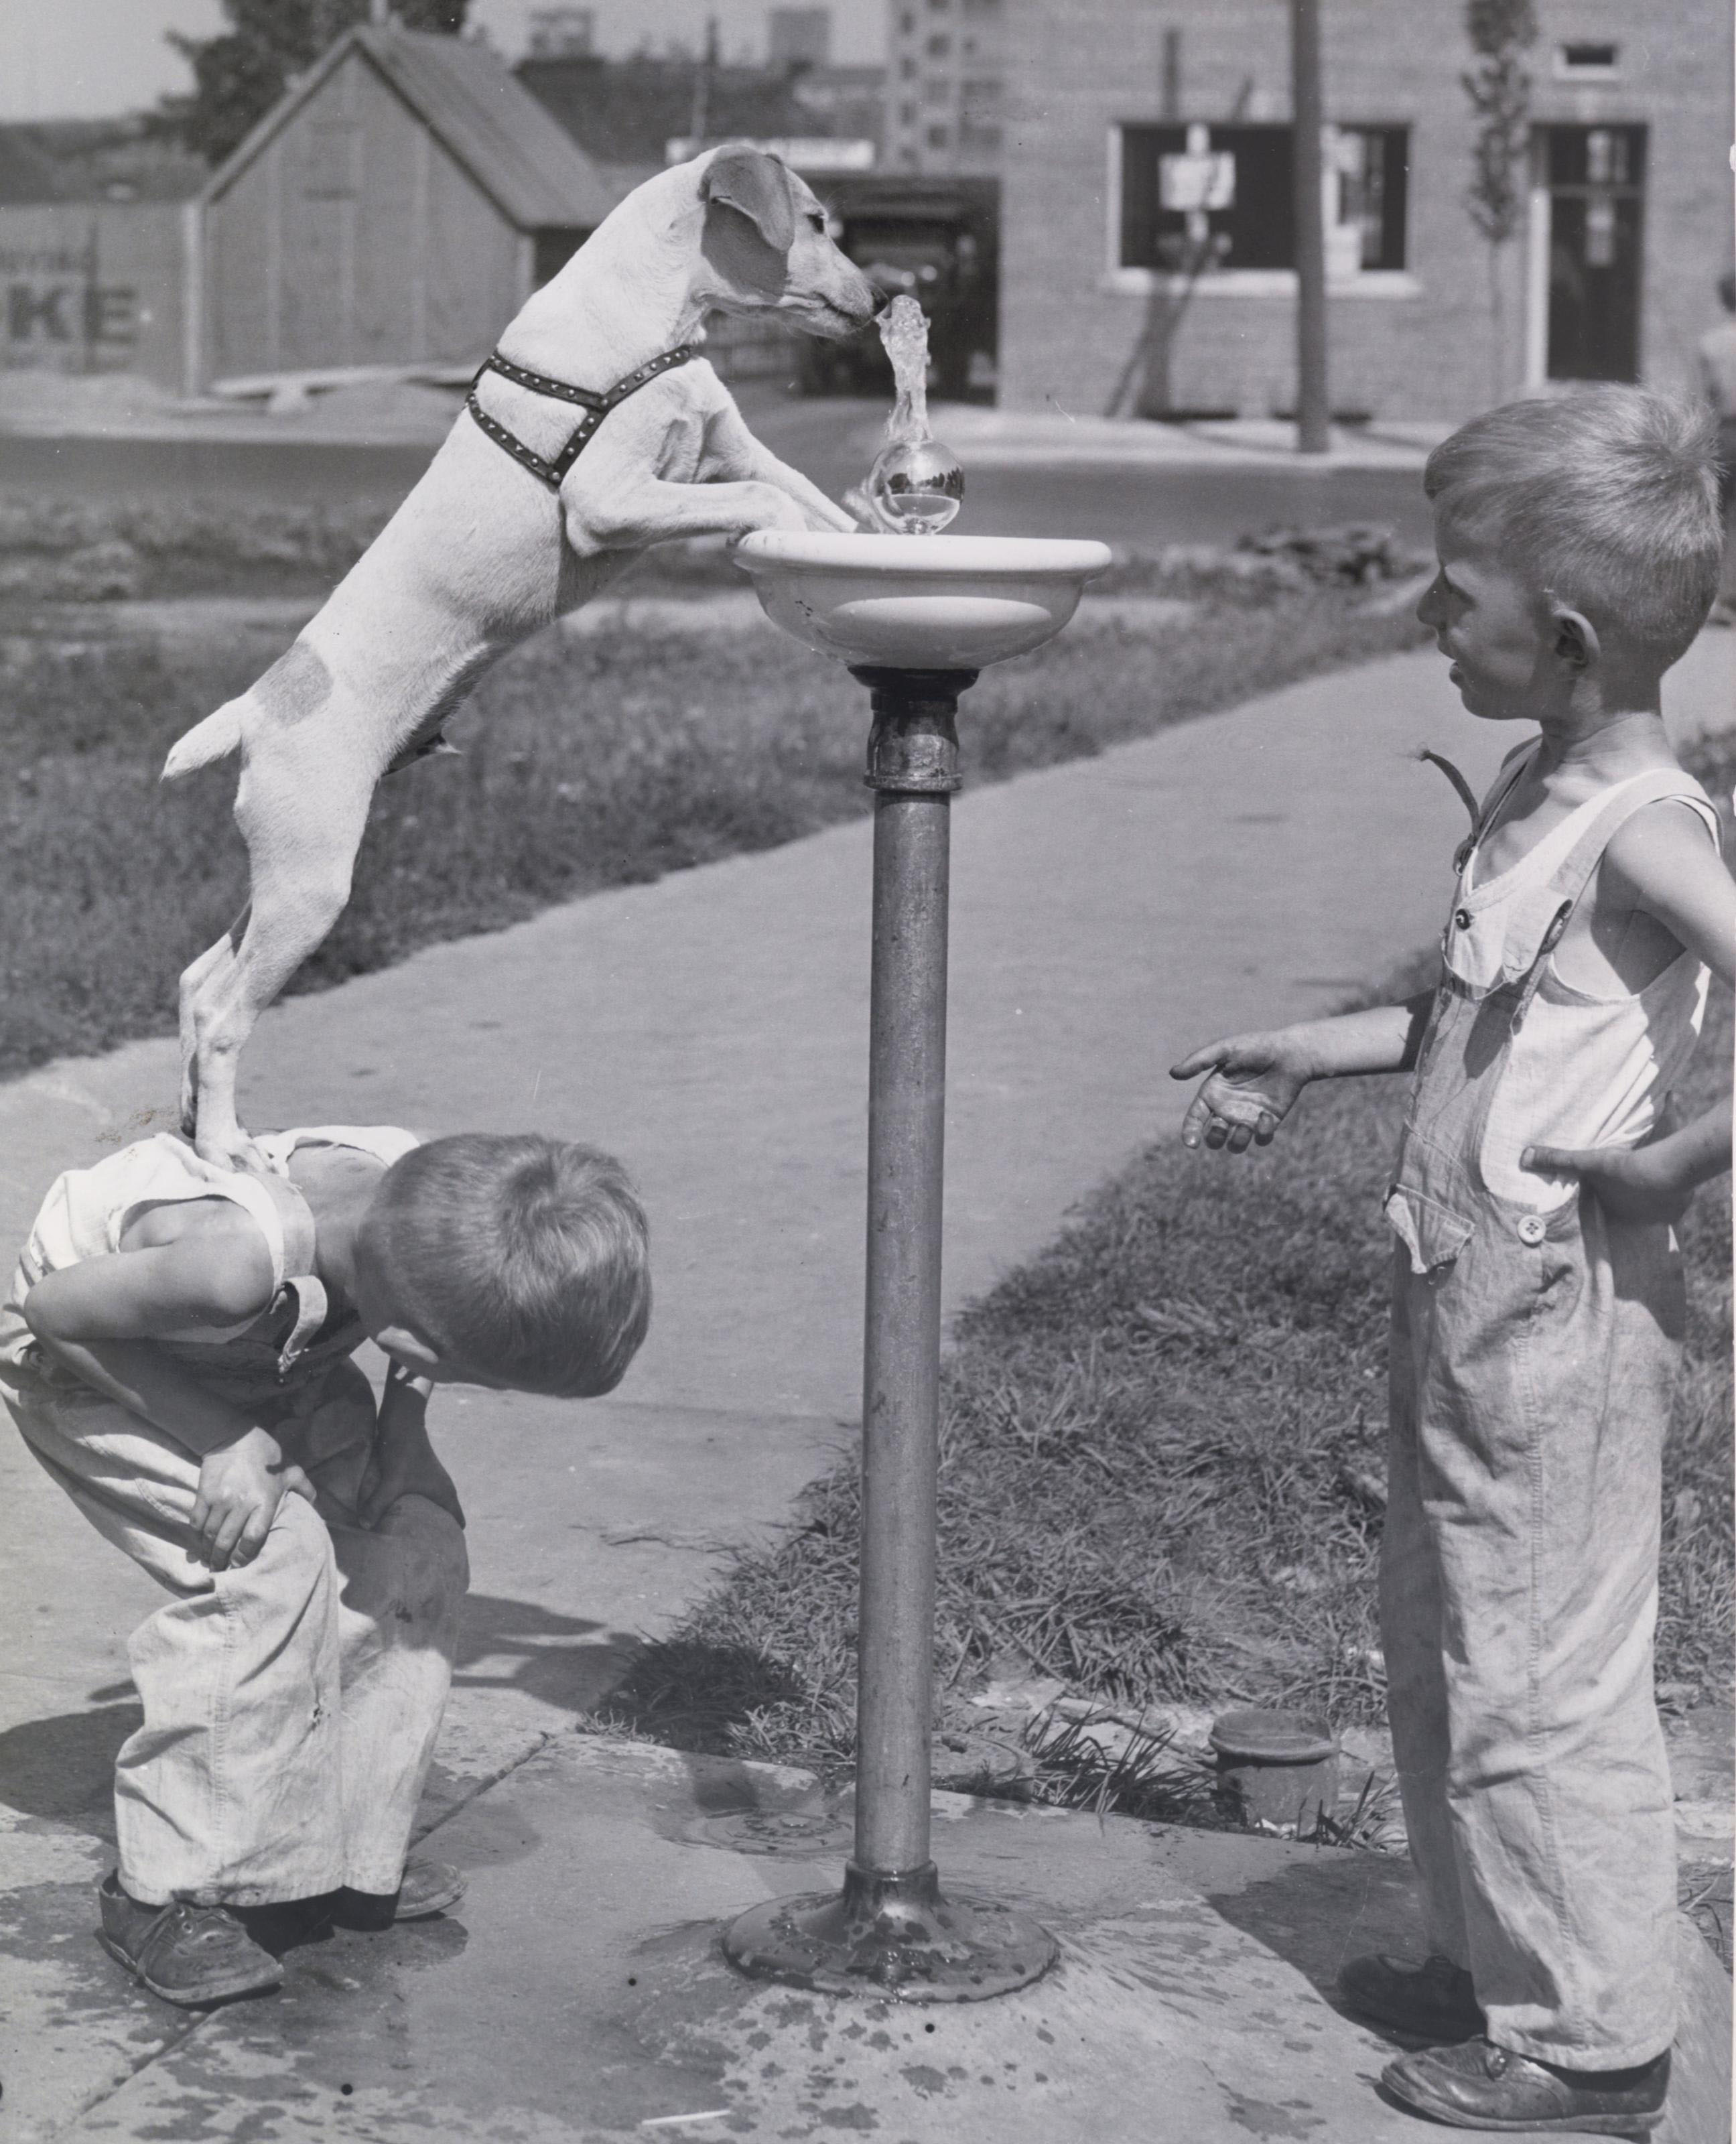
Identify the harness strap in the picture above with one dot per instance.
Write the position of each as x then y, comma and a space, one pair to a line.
596, 407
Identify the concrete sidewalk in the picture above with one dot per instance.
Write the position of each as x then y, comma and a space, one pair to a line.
712, 1028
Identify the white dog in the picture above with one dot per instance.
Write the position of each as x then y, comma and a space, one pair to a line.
508, 530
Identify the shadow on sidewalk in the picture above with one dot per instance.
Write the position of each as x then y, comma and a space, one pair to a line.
1317, 1916
63, 1767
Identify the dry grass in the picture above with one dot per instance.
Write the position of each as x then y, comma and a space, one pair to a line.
1163, 1471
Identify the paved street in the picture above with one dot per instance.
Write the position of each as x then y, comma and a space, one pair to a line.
1040, 478
711, 1029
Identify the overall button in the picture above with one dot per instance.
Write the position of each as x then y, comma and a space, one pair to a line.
1531, 1229
1461, 919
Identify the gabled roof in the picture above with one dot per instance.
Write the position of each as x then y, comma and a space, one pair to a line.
528, 166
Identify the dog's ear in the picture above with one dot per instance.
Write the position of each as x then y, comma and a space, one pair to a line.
755, 186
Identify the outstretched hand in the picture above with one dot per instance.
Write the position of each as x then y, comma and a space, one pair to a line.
1253, 1083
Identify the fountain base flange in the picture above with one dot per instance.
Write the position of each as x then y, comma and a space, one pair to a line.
893, 1938
913, 748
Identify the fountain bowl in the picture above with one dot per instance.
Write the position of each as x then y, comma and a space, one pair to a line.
919, 603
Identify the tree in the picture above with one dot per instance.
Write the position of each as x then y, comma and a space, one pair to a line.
238, 75
1499, 90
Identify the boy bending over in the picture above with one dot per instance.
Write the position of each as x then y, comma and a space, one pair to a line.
1537, 1297
176, 1352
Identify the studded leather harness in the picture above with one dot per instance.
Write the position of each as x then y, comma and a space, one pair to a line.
595, 406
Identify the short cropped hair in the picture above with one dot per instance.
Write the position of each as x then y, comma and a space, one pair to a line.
521, 1257
1607, 498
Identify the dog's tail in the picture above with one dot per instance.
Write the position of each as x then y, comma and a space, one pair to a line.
206, 742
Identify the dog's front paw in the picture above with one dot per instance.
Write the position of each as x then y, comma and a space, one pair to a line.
231, 1149
855, 512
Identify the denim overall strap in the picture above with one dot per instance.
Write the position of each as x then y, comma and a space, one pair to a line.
312, 1304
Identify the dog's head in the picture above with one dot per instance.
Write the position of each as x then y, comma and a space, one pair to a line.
766, 248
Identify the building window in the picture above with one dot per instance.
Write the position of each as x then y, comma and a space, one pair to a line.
937, 92
979, 98
982, 6
938, 137
907, 70
938, 48
1587, 62
1222, 197
906, 23
907, 115
977, 140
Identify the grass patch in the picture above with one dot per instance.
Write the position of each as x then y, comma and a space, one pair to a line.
592, 760
1163, 1460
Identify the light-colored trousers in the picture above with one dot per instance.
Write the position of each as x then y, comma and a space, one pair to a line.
1532, 1379
291, 1706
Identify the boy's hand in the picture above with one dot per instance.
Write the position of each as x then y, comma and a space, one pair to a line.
241, 1485
1255, 1079
1633, 1182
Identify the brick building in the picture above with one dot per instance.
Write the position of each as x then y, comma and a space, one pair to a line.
944, 85
1149, 216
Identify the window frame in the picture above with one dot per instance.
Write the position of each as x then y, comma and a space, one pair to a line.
1232, 282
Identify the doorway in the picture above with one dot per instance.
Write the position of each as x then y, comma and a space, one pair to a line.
1592, 193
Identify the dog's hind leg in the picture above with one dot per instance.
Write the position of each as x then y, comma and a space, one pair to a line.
200, 975
301, 813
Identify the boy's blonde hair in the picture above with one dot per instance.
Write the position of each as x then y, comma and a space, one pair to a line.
523, 1258
1607, 498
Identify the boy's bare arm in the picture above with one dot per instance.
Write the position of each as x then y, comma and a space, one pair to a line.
1255, 1078
1683, 884
205, 1278
403, 1461
1662, 864
97, 1318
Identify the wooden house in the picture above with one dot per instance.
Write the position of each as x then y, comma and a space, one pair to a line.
396, 206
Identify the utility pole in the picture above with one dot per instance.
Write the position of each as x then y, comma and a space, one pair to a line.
1313, 421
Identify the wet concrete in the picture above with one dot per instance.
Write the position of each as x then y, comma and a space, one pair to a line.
579, 1992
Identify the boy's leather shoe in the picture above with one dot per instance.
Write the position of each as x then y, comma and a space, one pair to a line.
428, 1887
189, 1954
1433, 2001
1479, 2085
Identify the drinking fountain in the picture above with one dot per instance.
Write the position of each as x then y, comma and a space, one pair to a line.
914, 617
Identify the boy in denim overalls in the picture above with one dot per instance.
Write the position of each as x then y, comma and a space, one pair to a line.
1537, 1300
175, 1350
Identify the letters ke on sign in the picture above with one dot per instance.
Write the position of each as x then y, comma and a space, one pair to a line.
1194, 181
55, 308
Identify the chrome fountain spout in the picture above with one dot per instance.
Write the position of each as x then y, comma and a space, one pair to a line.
916, 485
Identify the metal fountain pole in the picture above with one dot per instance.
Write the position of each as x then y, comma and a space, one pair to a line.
892, 1931
913, 770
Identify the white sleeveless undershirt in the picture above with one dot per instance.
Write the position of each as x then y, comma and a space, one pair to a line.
1582, 1071
87, 1211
